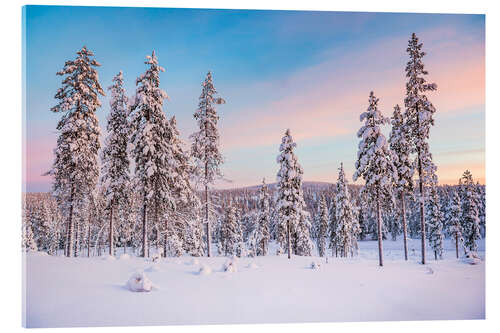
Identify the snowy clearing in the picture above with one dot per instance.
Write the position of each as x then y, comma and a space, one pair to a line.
64, 292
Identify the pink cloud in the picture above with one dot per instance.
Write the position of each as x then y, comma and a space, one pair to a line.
326, 99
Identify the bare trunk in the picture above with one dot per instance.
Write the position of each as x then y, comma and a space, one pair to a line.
422, 212
288, 240
165, 239
70, 251
456, 244
209, 240
405, 232
145, 252
379, 231
111, 245
88, 239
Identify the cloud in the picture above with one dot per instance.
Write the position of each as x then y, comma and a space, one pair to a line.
326, 99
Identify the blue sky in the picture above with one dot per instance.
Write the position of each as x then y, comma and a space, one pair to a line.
310, 71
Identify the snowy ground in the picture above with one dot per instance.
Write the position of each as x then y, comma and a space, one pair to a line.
65, 292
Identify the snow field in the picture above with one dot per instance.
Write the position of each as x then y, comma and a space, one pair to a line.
64, 292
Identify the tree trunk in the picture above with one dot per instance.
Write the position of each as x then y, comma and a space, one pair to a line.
422, 211
145, 252
111, 245
405, 232
88, 239
379, 231
209, 238
435, 255
288, 240
70, 251
456, 243
165, 239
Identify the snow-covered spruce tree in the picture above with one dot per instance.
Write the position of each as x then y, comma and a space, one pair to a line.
470, 213
205, 147
187, 202
302, 235
375, 162
400, 144
290, 200
481, 195
435, 222
231, 232
151, 150
322, 226
75, 168
418, 117
263, 221
114, 156
333, 240
346, 230
454, 220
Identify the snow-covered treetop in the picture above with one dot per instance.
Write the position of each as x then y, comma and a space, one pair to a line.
151, 137
80, 88
400, 144
290, 201
205, 148
419, 110
375, 159
467, 179
115, 161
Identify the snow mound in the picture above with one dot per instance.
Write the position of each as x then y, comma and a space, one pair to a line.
153, 268
230, 266
125, 256
315, 265
139, 282
205, 270
108, 258
194, 262
156, 256
252, 265
471, 258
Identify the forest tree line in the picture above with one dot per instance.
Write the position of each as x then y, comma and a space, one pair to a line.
145, 188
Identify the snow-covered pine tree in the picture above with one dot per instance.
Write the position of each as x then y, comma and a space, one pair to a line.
263, 220
470, 213
454, 220
400, 144
333, 240
75, 168
231, 232
322, 226
114, 156
375, 162
418, 117
187, 202
347, 239
205, 147
304, 245
290, 200
435, 222
151, 150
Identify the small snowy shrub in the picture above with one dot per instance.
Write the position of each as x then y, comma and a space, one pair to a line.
315, 265
205, 270
471, 258
139, 282
195, 261
230, 265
